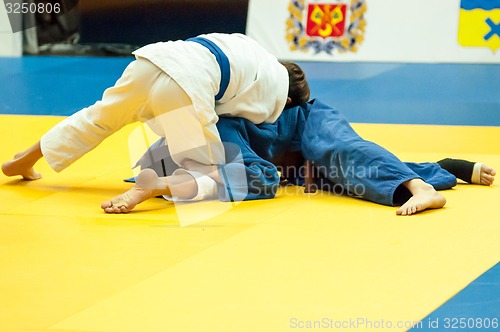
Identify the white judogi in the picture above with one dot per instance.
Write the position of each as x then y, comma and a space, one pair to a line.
175, 83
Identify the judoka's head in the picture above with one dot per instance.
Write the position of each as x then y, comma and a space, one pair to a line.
298, 88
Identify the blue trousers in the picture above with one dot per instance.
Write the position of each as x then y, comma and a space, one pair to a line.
346, 162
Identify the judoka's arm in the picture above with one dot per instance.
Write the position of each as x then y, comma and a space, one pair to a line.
245, 175
261, 181
261, 178
255, 178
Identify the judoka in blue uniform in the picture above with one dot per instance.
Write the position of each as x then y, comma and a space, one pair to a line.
343, 161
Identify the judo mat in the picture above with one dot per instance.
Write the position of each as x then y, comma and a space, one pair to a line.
296, 262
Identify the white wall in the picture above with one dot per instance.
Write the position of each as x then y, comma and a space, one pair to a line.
396, 31
10, 43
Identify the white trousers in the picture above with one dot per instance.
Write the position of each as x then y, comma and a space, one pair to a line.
144, 93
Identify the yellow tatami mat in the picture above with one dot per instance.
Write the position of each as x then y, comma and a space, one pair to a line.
273, 265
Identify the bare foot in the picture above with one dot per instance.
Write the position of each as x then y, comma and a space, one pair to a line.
424, 197
18, 166
126, 202
483, 174
148, 185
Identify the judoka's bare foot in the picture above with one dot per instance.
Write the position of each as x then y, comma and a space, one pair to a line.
148, 185
424, 197
127, 201
20, 166
468, 171
483, 174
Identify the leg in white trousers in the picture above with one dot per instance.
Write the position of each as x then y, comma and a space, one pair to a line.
143, 93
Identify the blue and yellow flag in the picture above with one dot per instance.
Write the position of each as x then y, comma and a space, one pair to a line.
479, 23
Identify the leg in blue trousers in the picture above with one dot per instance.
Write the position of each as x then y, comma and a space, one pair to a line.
344, 161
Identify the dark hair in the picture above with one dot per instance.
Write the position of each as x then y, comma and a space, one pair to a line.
298, 88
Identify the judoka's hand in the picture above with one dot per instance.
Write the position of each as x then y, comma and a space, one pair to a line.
309, 185
209, 170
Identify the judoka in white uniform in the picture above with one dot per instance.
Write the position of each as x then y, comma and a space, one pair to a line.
172, 85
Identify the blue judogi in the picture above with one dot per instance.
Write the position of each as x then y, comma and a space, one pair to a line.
344, 162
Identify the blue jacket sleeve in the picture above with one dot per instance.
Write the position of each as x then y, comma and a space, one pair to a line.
246, 176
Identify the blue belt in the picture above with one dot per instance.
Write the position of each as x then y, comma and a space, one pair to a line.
222, 60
